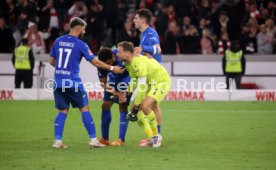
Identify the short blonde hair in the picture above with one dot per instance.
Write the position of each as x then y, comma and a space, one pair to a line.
127, 46
75, 21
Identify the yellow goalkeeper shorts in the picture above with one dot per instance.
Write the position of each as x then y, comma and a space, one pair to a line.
160, 90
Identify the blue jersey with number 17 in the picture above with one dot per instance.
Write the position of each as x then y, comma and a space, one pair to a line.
68, 51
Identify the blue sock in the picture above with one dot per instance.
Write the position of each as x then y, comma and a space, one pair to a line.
59, 125
106, 119
159, 129
89, 124
123, 125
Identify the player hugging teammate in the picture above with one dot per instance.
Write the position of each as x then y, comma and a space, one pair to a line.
145, 70
142, 64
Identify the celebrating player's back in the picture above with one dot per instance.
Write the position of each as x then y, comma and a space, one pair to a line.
70, 50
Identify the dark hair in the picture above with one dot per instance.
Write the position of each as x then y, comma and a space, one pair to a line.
75, 21
235, 46
24, 41
144, 13
127, 46
105, 54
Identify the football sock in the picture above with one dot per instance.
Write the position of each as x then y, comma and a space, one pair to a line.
159, 129
143, 122
59, 125
153, 123
106, 119
89, 124
123, 125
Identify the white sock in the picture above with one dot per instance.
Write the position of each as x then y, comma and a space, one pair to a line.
93, 139
58, 141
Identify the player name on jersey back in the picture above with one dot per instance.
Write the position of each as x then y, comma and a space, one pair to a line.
66, 44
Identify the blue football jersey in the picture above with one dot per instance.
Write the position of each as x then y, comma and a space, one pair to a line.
150, 37
68, 51
104, 73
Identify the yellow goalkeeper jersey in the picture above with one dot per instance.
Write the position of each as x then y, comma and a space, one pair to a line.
142, 66
158, 79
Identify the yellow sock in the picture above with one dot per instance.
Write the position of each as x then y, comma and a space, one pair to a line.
143, 122
153, 123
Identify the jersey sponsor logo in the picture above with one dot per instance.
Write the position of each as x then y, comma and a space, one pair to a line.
63, 72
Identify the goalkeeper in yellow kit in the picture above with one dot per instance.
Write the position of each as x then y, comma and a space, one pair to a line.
153, 84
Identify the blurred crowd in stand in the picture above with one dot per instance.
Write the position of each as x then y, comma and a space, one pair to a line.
184, 26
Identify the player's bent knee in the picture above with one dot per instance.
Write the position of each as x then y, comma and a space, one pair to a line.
84, 109
146, 108
106, 106
123, 107
65, 111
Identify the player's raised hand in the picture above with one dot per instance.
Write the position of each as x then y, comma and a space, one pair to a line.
118, 70
137, 50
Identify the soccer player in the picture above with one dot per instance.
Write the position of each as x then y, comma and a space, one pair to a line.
65, 56
149, 46
113, 84
153, 84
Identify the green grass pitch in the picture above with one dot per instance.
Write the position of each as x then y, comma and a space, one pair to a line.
197, 135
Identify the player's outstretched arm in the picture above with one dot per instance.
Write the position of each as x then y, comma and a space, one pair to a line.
102, 65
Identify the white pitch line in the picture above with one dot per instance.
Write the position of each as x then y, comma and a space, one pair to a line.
222, 111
